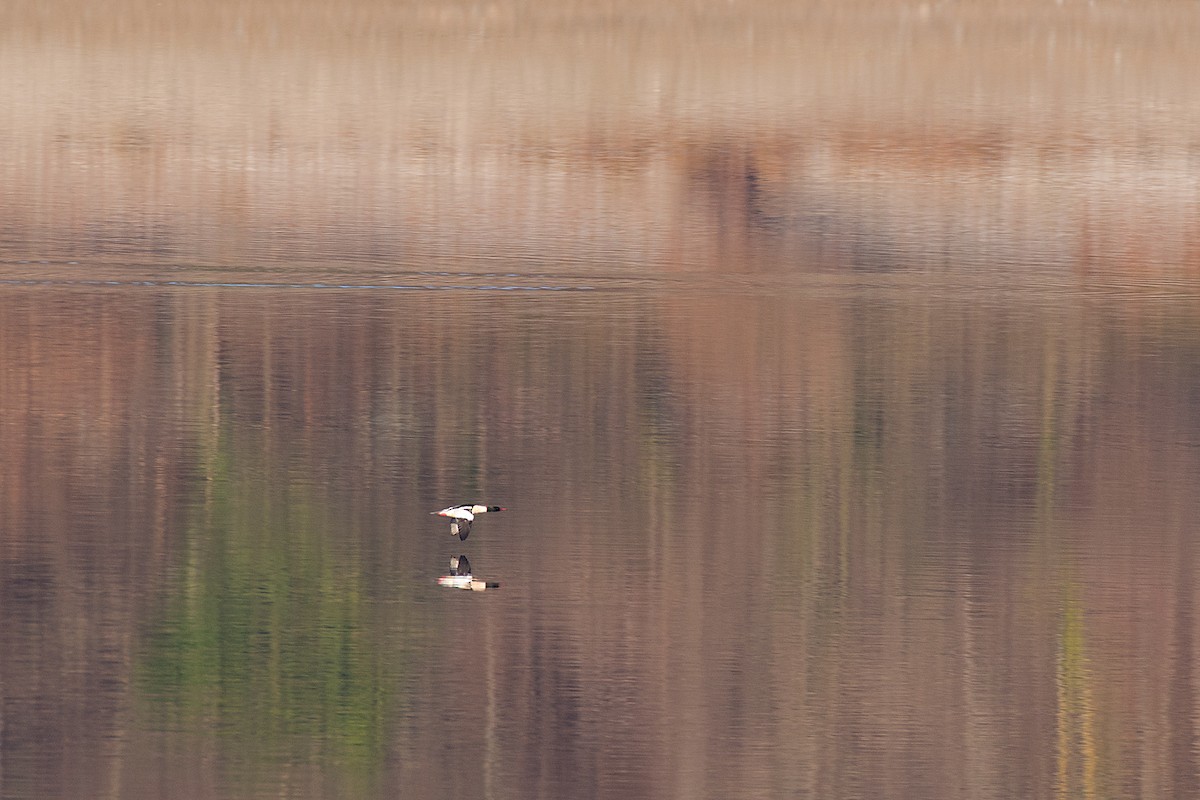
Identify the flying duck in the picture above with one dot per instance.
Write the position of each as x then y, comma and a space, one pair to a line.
462, 516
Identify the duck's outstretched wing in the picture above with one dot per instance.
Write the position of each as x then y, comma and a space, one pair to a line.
459, 565
460, 528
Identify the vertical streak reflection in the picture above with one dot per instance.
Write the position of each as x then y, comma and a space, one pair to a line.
489, 733
1076, 735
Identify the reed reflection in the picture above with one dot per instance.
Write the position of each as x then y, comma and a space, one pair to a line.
264, 645
974, 510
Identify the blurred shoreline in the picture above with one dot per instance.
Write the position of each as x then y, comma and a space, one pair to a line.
756, 137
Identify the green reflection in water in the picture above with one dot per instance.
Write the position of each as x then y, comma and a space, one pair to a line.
264, 648
1077, 752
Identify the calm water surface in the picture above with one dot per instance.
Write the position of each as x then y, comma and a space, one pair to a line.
818, 541
839, 366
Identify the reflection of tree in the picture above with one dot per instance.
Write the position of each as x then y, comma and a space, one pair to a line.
264, 637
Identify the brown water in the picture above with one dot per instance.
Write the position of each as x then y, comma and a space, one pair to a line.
838, 364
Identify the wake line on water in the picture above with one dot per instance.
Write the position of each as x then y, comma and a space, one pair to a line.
988, 287
292, 285
74, 274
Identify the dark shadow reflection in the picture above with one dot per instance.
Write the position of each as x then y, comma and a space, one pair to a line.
459, 565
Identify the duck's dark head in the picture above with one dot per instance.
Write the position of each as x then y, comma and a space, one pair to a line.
496, 508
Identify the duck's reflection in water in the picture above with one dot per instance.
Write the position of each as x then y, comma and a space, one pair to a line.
460, 577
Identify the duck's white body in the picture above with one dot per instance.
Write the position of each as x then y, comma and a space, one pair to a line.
462, 517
